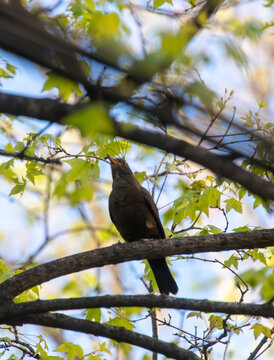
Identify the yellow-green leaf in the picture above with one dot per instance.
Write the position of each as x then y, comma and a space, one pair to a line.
233, 204
91, 120
64, 85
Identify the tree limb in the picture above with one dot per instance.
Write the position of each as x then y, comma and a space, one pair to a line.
146, 249
22, 156
10, 309
220, 165
39, 108
116, 333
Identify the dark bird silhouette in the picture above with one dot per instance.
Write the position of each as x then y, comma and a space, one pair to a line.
135, 215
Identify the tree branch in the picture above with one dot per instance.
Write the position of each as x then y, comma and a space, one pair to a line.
39, 108
146, 249
22, 156
116, 333
220, 165
10, 309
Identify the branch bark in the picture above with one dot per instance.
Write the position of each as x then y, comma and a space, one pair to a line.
116, 333
146, 249
220, 165
10, 309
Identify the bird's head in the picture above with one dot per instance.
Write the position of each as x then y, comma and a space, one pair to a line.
120, 170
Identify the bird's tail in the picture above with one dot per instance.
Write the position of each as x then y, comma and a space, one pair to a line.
163, 277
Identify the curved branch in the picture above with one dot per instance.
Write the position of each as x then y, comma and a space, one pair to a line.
116, 333
11, 310
146, 249
220, 165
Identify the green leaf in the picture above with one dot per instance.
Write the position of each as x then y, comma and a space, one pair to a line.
262, 104
214, 229
233, 204
104, 26
241, 193
108, 145
17, 189
194, 314
94, 170
103, 348
256, 254
241, 229
215, 322
91, 120
28, 295
149, 276
79, 170
209, 198
33, 170
268, 3
259, 329
118, 321
3, 267
4, 74
6, 165
64, 85
140, 176
200, 90
233, 260
11, 68
81, 194
9, 148
74, 352
263, 278
159, 3
235, 51
93, 314
19, 146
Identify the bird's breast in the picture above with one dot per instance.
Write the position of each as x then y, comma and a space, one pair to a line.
131, 216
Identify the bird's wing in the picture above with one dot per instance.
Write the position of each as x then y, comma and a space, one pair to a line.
154, 211
109, 208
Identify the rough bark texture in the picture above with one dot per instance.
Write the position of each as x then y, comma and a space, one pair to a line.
116, 333
147, 249
10, 309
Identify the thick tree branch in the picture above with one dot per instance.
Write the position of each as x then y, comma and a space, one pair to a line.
25, 34
116, 333
39, 108
147, 249
44, 109
220, 165
10, 309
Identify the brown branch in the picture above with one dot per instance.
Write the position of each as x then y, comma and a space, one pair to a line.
220, 165
116, 333
43, 109
147, 249
20, 155
23, 33
10, 309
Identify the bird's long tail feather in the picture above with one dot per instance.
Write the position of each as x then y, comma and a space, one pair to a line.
163, 277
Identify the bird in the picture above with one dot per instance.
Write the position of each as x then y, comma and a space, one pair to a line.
135, 216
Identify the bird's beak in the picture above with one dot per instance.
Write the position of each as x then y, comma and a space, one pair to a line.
113, 160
